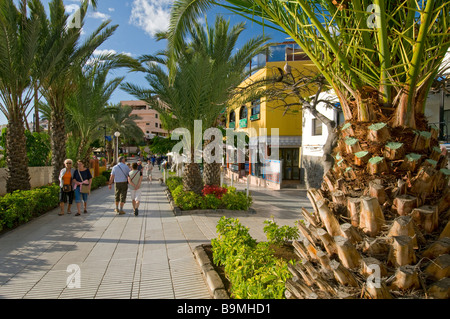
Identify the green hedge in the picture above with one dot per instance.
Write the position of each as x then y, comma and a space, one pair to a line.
20, 206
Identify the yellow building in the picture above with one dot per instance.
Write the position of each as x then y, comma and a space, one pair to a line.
269, 113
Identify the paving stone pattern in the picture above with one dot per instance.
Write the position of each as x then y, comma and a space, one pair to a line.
123, 256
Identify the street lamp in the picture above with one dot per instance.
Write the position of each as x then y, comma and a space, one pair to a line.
117, 134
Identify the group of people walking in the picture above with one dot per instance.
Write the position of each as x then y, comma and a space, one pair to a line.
123, 177
76, 184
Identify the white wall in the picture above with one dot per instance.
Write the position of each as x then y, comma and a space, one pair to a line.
40, 176
313, 145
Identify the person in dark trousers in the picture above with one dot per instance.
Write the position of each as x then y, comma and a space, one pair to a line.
66, 192
119, 176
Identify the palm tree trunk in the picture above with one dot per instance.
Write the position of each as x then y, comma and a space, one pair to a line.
58, 132
211, 171
18, 177
192, 179
375, 185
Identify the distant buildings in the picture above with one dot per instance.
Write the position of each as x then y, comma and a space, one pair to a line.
150, 122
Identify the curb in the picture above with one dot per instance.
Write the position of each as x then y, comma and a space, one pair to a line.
212, 278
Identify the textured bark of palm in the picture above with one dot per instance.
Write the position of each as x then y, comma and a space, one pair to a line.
385, 225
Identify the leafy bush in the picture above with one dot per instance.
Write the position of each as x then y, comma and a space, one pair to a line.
107, 174
173, 182
279, 235
236, 200
98, 181
253, 270
188, 200
210, 201
214, 197
20, 206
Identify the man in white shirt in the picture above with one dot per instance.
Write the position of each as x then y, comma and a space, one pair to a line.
119, 175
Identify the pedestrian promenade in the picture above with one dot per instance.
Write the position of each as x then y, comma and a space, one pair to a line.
102, 255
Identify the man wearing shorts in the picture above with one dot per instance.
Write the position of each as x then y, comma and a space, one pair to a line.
119, 175
135, 180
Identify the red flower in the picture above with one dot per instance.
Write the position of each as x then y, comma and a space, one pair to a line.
217, 191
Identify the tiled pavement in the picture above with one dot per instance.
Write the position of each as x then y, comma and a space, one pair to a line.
101, 255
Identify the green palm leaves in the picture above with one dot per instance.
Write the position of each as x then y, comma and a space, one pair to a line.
379, 56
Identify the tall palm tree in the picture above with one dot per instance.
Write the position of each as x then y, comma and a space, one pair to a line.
22, 65
207, 70
87, 106
380, 58
59, 84
119, 119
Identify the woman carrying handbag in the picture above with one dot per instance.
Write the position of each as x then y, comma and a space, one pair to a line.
82, 184
65, 183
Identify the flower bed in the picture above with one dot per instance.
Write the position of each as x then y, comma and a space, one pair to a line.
252, 270
213, 197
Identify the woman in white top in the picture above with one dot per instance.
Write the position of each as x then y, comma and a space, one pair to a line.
148, 170
135, 179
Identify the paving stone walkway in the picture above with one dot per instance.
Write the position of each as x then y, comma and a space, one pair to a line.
102, 255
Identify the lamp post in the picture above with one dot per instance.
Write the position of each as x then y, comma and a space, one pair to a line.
116, 152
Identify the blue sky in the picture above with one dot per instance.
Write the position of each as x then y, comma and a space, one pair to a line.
138, 21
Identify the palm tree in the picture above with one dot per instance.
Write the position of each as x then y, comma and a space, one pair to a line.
21, 67
119, 119
380, 58
207, 70
87, 105
59, 84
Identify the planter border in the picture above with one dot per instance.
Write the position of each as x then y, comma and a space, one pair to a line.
212, 278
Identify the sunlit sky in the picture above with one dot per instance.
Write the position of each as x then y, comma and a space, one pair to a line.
138, 22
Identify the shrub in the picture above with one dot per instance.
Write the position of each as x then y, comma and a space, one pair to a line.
98, 181
188, 200
107, 174
214, 197
236, 200
253, 270
210, 201
173, 182
279, 235
20, 206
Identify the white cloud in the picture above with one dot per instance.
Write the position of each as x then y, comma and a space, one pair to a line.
151, 15
98, 15
109, 51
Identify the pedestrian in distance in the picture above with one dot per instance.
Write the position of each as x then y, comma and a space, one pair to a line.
66, 192
82, 180
135, 180
119, 176
140, 166
148, 171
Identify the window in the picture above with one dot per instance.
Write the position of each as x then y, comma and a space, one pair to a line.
232, 116
147, 123
255, 110
243, 112
156, 115
316, 127
156, 124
